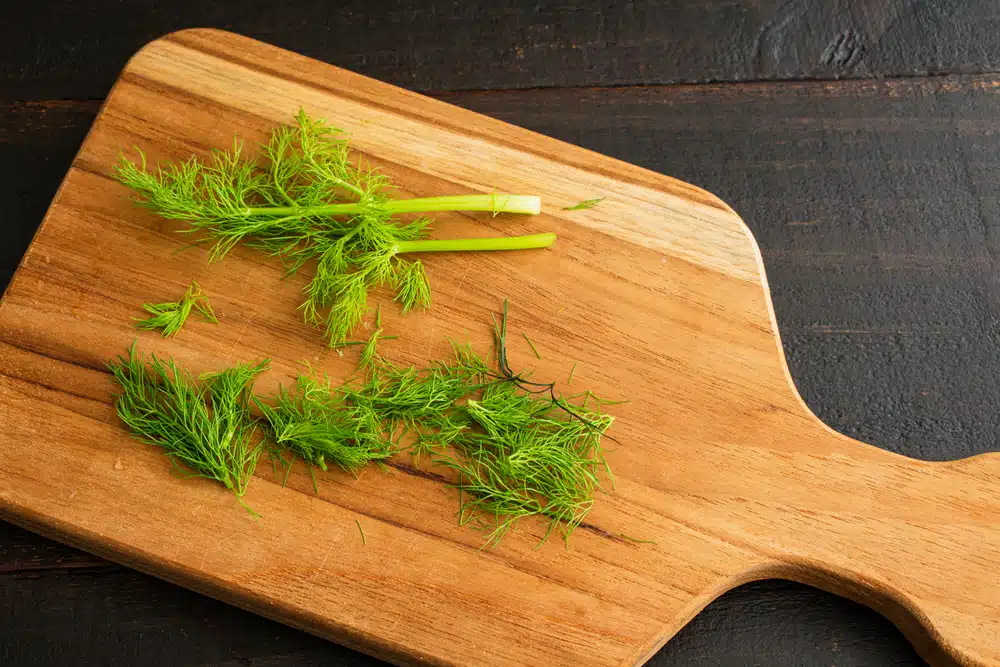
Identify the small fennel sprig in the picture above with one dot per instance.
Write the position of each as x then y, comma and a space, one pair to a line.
317, 425
526, 452
525, 456
205, 428
172, 315
306, 201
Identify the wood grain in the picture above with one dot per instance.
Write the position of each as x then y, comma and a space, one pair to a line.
671, 298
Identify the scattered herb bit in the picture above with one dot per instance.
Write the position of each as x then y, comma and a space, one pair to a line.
307, 200
603, 401
350, 343
204, 428
585, 204
312, 474
532, 345
569, 380
171, 316
526, 458
362, 530
369, 354
634, 539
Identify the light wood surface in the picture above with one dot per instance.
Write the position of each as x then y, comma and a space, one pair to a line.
658, 294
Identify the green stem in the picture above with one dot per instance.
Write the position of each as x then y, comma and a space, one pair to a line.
455, 245
495, 203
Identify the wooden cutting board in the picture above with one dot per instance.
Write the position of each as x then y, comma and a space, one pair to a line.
657, 295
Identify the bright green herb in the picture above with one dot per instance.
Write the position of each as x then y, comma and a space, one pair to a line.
572, 372
171, 316
307, 201
362, 531
532, 345
407, 397
316, 424
349, 343
516, 448
369, 354
526, 458
585, 204
591, 396
635, 539
530, 452
205, 428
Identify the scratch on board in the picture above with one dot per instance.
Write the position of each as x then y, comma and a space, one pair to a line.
461, 281
322, 563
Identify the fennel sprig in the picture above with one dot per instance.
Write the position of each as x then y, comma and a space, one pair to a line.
205, 428
304, 200
316, 424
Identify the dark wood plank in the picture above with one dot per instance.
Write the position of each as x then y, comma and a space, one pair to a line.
443, 45
24, 553
37, 143
783, 624
116, 616
876, 209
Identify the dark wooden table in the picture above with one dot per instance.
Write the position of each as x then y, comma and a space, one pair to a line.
859, 140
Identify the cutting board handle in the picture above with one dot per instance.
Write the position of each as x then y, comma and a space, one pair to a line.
917, 541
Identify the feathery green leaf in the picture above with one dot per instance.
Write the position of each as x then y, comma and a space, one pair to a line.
205, 427
305, 200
